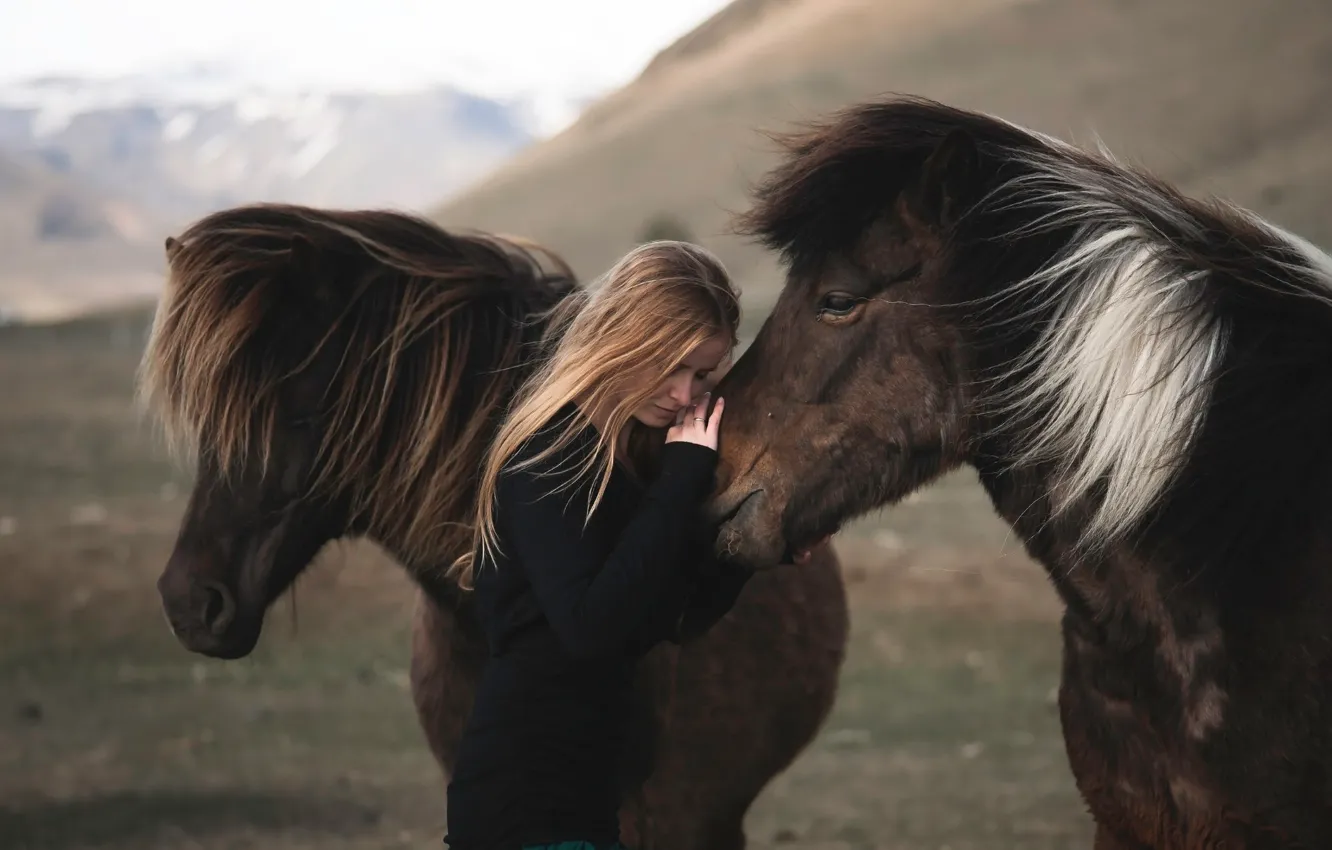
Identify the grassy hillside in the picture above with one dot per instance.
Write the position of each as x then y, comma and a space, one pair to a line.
944, 733
1226, 96
113, 737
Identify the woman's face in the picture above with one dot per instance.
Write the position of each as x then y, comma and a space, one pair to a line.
685, 385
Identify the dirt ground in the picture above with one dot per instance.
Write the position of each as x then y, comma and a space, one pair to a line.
112, 736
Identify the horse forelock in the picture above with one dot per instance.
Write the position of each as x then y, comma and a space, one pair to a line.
1116, 388
432, 327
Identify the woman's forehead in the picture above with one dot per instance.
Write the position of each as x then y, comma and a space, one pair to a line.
709, 354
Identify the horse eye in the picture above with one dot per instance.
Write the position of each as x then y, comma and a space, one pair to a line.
838, 304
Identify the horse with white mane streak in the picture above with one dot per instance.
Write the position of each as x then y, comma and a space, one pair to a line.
1142, 380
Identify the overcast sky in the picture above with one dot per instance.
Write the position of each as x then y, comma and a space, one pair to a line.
569, 47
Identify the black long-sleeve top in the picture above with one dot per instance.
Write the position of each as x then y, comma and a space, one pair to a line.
568, 609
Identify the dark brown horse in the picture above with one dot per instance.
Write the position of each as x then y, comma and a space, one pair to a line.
1143, 382
339, 374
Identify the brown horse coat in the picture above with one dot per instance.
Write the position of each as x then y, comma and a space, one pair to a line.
340, 374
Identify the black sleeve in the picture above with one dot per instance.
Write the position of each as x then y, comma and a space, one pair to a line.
595, 605
715, 586
714, 592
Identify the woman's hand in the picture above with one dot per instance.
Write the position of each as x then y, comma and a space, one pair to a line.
693, 424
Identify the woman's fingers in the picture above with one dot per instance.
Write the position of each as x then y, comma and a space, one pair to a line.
704, 409
697, 423
700, 416
714, 421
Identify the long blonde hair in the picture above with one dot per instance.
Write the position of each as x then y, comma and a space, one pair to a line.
648, 311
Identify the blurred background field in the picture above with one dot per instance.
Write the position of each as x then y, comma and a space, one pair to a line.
945, 734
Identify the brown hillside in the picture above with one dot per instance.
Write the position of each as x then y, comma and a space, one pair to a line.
1225, 96
66, 247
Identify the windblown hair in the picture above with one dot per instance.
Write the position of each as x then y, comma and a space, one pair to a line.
633, 328
1121, 289
431, 331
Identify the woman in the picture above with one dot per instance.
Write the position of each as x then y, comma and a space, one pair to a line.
589, 550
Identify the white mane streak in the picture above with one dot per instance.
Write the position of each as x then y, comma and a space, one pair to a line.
1118, 384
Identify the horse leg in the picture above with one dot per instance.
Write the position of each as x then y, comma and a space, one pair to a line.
445, 667
661, 824
681, 805
737, 706
724, 828
728, 833
650, 820
1100, 757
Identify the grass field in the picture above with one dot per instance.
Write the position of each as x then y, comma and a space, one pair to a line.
112, 736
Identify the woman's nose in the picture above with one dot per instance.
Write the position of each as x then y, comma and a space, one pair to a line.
680, 392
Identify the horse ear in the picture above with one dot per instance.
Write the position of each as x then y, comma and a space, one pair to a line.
940, 187
172, 247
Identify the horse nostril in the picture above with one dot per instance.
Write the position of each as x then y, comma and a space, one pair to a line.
219, 608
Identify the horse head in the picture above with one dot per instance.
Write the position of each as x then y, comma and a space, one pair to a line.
964, 290
337, 375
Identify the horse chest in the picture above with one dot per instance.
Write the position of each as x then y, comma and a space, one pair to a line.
1136, 714
1182, 735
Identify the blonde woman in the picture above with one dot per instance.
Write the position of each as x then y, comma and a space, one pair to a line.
588, 551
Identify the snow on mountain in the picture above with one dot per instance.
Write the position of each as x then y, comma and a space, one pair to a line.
95, 172
189, 139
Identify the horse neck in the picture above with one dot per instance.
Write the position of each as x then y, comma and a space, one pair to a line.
1112, 597
1222, 547
1253, 491
430, 579
430, 574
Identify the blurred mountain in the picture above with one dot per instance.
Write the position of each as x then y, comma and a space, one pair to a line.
134, 158
1224, 96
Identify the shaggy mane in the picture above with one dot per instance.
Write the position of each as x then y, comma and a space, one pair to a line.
434, 325
1125, 294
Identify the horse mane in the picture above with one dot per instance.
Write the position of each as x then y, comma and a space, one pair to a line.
1128, 291
432, 327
